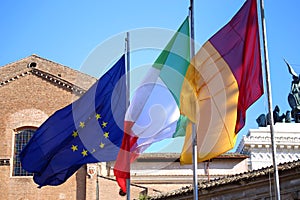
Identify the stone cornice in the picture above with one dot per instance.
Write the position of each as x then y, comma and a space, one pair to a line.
267, 139
14, 78
282, 142
58, 81
48, 77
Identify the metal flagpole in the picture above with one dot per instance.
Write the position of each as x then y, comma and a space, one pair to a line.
97, 182
267, 71
127, 101
194, 132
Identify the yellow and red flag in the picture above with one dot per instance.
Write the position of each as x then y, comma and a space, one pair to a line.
225, 78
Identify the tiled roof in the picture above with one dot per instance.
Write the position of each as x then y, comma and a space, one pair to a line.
247, 176
176, 156
232, 155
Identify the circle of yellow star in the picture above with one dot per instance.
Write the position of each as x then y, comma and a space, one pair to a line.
102, 145
106, 134
74, 147
75, 134
104, 124
84, 152
98, 116
82, 125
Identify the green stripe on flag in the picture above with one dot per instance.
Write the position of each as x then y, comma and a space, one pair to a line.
174, 60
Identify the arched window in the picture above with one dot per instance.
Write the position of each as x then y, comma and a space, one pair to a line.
22, 137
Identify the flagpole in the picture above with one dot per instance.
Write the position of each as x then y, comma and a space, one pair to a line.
268, 82
127, 100
97, 182
194, 132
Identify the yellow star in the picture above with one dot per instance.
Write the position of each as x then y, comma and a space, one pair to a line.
74, 147
84, 153
106, 134
104, 124
75, 134
98, 116
82, 125
102, 145
94, 150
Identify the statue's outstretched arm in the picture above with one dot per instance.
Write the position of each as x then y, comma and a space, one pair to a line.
291, 70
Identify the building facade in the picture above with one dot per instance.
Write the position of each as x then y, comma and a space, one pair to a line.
257, 145
251, 185
158, 173
32, 89
257, 181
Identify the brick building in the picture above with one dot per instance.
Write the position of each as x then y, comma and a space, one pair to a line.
31, 89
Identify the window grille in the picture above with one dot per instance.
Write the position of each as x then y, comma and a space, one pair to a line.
21, 139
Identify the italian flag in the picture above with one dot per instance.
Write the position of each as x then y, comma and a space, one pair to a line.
154, 114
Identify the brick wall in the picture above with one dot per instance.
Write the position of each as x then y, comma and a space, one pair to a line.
29, 101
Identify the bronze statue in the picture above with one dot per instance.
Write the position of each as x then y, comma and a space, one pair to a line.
293, 99
288, 116
294, 95
264, 120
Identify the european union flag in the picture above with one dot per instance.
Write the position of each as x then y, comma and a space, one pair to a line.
87, 131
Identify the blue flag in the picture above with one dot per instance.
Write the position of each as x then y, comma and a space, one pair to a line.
89, 130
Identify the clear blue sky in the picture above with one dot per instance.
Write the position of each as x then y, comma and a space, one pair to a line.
68, 31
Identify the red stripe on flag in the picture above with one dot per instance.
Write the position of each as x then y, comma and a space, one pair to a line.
125, 157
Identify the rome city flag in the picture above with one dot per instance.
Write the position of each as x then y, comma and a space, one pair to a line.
226, 80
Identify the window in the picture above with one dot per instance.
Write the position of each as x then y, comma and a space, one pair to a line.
21, 139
